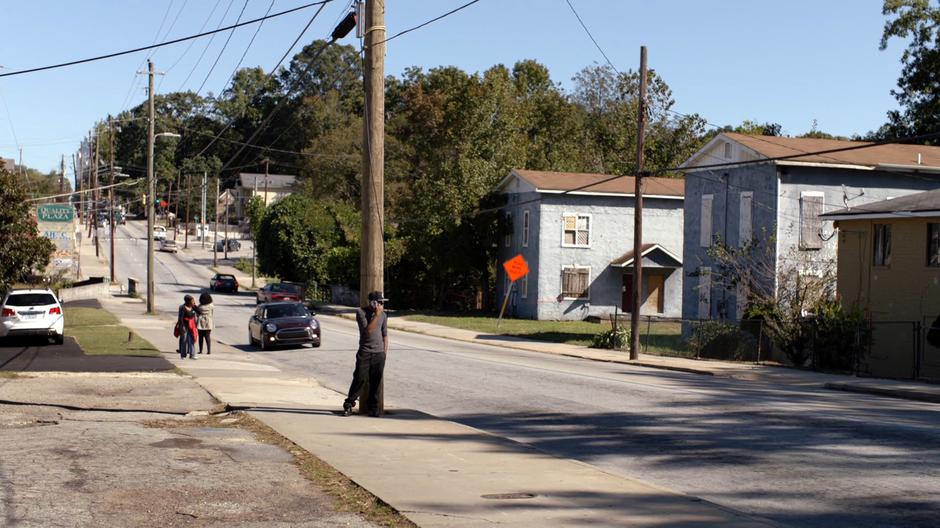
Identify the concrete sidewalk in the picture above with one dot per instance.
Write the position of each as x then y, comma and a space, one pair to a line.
909, 390
435, 472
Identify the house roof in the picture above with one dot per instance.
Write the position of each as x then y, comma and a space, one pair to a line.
596, 184
897, 157
275, 181
913, 205
626, 260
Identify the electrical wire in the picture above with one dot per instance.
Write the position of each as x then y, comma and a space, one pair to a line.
224, 46
431, 21
208, 45
248, 47
191, 42
166, 43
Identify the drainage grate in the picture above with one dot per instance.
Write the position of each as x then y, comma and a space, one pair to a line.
508, 496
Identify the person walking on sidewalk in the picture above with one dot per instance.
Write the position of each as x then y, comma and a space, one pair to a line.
370, 358
205, 321
186, 323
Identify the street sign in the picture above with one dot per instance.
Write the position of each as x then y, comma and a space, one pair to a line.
55, 213
516, 268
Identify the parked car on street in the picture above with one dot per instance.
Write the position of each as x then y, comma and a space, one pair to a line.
168, 245
159, 233
279, 291
283, 323
32, 312
233, 245
223, 282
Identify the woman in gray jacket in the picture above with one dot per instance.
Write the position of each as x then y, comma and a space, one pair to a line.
205, 321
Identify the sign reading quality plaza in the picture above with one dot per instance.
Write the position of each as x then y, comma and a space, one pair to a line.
57, 223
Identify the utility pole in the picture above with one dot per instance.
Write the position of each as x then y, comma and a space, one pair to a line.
638, 214
96, 192
151, 192
202, 233
111, 192
186, 228
80, 184
372, 261
215, 247
62, 179
225, 240
169, 197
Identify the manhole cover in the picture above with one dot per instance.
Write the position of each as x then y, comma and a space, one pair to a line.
508, 496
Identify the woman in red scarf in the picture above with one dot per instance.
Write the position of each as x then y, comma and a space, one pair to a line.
186, 322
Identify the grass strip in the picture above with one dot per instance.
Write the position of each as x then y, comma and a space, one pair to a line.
100, 334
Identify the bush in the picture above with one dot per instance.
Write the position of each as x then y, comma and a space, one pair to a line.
837, 335
243, 265
611, 339
722, 340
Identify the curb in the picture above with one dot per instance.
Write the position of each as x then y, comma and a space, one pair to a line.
904, 394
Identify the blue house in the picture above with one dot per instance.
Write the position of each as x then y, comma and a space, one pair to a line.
576, 232
778, 202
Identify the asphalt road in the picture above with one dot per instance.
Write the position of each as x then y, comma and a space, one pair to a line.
800, 457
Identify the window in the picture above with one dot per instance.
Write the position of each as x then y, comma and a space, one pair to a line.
705, 238
811, 206
525, 229
576, 230
744, 219
933, 245
881, 245
704, 293
508, 228
727, 150
524, 287
575, 282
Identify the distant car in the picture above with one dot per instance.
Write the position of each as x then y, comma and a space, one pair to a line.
33, 312
223, 282
283, 323
159, 233
168, 245
279, 291
233, 245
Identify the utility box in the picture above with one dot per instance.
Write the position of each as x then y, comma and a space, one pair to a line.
132, 286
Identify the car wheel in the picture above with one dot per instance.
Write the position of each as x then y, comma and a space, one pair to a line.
59, 339
264, 343
317, 344
251, 339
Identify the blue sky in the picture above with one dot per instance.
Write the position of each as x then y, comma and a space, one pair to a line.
731, 60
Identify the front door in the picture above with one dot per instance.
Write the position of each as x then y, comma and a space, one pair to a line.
655, 286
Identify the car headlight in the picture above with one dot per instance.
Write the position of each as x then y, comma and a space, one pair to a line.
270, 327
314, 324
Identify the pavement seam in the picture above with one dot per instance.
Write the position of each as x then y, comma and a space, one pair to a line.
90, 409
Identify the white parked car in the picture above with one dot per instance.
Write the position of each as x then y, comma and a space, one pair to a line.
35, 312
159, 233
168, 245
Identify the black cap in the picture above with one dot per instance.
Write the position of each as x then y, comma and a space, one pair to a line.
377, 296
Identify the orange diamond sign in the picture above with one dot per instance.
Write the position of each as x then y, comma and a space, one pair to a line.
516, 268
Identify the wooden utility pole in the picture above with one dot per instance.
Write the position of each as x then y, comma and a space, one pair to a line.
215, 238
111, 193
151, 195
189, 193
372, 261
80, 184
202, 232
638, 214
62, 179
96, 192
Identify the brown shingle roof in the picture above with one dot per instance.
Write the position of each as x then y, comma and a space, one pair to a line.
601, 183
894, 154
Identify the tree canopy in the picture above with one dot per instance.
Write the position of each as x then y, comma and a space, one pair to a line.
22, 249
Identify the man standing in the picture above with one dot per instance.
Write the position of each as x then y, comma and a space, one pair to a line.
370, 359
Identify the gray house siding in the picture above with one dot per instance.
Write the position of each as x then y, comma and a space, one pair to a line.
777, 192
610, 237
518, 204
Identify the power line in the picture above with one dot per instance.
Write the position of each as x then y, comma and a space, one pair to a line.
248, 47
222, 51
167, 43
419, 26
208, 45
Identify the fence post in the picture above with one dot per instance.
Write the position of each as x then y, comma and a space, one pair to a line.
649, 332
760, 338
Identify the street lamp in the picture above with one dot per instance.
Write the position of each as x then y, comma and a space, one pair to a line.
151, 195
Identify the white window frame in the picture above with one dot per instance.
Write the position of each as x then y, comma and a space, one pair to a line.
705, 220
590, 230
727, 150
817, 243
745, 229
704, 290
507, 241
885, 245
525, 228
524, 287
576, 267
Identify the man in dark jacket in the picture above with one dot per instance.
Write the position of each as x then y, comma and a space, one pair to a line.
370, 358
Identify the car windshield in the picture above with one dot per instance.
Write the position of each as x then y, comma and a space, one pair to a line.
290, 288
30, 299
286, 310
225, 277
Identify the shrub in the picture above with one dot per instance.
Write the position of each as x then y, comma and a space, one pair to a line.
837, 335
611, 339
721, 340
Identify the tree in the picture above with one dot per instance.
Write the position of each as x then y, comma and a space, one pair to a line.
918, 91
22, 249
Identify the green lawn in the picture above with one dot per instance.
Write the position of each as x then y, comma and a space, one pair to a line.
660, 338
100, 333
